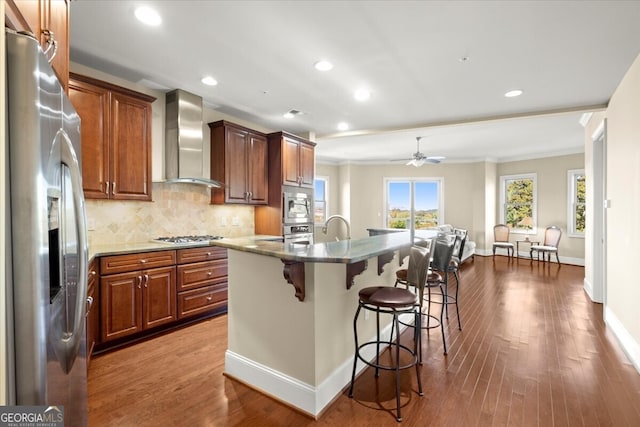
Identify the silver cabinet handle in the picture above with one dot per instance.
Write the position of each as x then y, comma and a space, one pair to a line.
89, 303
146, 280
106, 188
113, 187
139, 282
51, 43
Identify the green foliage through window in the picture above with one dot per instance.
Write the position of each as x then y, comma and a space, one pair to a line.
519, 203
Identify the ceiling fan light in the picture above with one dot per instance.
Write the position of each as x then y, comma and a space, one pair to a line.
415, 162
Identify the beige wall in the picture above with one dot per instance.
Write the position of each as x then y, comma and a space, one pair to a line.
623, 191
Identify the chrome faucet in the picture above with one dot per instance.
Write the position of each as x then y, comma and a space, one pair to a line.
332, 217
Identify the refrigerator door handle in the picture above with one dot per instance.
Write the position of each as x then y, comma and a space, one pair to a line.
71, 342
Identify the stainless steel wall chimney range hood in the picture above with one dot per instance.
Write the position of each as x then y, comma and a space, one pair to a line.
184, 140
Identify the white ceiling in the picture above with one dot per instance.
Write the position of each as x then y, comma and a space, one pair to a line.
567, 56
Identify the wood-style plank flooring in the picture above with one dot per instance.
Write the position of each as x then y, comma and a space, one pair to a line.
533, 351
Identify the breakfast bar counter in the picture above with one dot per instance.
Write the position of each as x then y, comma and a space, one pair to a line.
300, 350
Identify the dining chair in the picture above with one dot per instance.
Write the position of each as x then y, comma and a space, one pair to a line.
501, 239
552, 235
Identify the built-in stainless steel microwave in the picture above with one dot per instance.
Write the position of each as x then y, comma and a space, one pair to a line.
298, 208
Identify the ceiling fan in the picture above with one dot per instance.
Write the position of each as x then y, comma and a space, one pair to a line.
420, 158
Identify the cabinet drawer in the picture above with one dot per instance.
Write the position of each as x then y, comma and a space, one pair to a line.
200, 274
131, 262
202, 300
206, 253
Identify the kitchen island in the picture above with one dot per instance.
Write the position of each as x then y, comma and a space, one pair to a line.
297, 344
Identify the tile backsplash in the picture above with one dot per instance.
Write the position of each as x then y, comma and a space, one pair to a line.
176, 209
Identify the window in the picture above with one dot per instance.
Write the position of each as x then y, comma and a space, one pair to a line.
320, 208
577, 202
417, 200
518, 202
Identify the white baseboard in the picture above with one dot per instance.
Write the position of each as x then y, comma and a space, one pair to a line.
525, 255
305, 397
630, 346
588, 288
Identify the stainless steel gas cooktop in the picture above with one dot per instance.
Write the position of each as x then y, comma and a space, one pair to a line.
187, 239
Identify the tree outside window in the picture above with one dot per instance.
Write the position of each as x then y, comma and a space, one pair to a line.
518, 199
577, 202
419, 199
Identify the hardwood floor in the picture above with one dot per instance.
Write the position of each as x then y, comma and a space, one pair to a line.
533, 350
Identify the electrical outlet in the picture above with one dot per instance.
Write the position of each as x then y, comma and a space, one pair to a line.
235, 221
223, 221
91, 224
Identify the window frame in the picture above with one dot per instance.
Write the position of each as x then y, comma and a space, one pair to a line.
412, 181
326, 197
534, 208
572, 175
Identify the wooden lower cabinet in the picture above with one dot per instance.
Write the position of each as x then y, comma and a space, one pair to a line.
93, 310
144, 293
202, 286
134, 301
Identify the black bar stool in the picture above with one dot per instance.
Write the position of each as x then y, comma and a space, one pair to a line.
393, 301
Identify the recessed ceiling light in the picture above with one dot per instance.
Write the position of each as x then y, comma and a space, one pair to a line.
362, 94
148, 16
323, 65
513, 93
343, 126
209, 81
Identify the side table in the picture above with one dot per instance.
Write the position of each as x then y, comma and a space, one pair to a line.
530, 242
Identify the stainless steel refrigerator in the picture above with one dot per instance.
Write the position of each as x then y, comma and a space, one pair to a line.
47, 274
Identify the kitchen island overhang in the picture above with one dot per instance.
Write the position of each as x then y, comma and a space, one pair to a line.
300, 351
354, 253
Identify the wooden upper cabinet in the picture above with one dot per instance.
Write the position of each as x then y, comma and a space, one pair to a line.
92, 103
116, 139
48, 20
297, 158
239, 158
130, 154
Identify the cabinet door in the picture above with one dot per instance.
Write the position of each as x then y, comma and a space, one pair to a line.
307, 173
130, 154
236, 141
121, 305
290, 162
58, 23
37, 16
159, 297
257, 168
92, 104
93, 312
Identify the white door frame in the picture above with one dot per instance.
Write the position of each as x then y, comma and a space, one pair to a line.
599, 141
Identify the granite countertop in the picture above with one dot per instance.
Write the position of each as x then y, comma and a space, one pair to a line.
136, 247
344, 251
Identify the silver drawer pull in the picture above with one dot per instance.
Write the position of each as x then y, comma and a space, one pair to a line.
208, 254
209, 273
209, 298
142, 261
